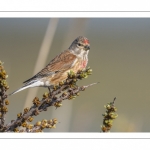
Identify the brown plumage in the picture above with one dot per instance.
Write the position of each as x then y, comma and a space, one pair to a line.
75, 58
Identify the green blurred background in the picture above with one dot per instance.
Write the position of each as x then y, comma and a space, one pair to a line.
119, 57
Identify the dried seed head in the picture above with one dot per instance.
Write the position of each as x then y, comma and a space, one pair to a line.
24, 124
55, 87
54, 126
109, 122
49, 126
70, 97
50, 121
57, 104
43, 126
114, 109
16, 130
6, 87
6, 102
4, 109
19, 115
26, 110
104, 129
45, 95
44, 121
30, 119
38, 123
89, 71
105, 115
29, 126
54, 121
113, 115
78, 94
36, 101
74, 80
64, 94
108, 107
61, 83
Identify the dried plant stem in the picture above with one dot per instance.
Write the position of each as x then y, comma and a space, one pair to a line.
2, 106
3, 88
44, 104
109, 116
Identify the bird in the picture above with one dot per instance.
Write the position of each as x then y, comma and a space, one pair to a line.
75, 58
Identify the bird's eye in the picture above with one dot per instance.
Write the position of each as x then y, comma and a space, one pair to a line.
79, 44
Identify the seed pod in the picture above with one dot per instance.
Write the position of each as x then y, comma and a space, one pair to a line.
104, 129
38, 123
43, 126
7, 87
57, 104
55, 121
26, 110
24, 124
44, 121
45, 95
19, 115
61, 83
6, 102
4, 109
108, 107
50, 121
30, 119
64, 94
78, 94
53, 126
49, 126
16, 130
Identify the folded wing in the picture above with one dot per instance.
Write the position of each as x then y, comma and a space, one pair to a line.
62, 62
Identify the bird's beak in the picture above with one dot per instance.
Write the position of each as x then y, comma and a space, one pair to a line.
87, 47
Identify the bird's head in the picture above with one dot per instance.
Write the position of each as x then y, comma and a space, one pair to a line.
80, 45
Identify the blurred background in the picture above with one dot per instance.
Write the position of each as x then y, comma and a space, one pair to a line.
119, 57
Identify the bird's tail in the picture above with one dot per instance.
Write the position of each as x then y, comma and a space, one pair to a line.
28, 85
20, 89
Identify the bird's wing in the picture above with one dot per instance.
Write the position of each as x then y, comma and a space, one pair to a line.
64, 61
